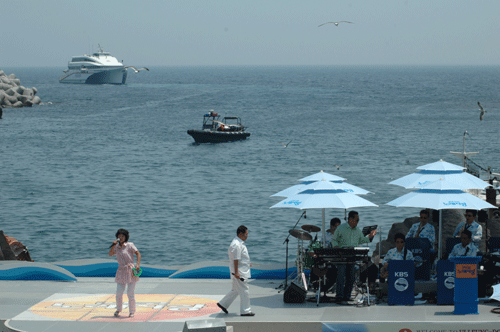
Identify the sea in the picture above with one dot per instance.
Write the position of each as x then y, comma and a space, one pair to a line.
95, 158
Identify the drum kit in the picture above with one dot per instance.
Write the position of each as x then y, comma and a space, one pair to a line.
301, 235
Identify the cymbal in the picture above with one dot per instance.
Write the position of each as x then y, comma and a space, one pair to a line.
311, 228
300, 234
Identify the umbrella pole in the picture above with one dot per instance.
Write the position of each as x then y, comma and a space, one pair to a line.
324, 231
380, 243
440, 235
286, 265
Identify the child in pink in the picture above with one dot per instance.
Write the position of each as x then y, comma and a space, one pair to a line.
124, 252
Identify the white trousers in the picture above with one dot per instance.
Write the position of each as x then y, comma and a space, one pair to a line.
239, 288
130, 294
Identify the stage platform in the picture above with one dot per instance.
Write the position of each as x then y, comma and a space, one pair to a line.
165, 304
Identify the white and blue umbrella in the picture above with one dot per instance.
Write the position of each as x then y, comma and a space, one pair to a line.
441, 165
441, 170
440, 200
323, 199
322, 176
441, 195
323, 195
334, 185
420, 179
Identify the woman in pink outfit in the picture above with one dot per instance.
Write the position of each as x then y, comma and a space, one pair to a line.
124, 252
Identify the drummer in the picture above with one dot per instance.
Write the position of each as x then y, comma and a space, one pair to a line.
334, 223
331, 272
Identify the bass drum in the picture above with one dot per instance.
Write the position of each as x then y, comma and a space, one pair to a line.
308, 260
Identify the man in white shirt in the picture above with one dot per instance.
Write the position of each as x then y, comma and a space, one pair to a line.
466, 248
472, 226
239, 265
423, 229
398, 253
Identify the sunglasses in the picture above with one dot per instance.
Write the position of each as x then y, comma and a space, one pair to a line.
468, 215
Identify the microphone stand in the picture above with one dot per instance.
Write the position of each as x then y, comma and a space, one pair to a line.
286, 241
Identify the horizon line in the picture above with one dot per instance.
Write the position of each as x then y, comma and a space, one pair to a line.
290, 65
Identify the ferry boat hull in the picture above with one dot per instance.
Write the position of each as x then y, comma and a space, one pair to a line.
114, 76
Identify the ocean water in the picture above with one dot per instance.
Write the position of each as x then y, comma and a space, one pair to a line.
93, 159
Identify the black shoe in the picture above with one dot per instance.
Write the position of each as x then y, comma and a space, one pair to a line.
222, 308
249, 314
340, 300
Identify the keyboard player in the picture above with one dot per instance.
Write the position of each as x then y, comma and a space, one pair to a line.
348, 235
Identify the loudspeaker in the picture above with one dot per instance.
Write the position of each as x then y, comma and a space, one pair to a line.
294, 294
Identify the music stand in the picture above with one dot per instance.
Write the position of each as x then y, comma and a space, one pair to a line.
368, 229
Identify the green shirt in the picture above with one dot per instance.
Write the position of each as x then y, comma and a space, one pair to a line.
345, 236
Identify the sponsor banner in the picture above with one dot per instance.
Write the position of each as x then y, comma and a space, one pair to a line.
464, 271
412, 327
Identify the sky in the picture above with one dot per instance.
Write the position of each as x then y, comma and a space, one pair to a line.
251, 32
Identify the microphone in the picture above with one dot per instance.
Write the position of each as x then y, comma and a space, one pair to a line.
117, 243
242, 279
305, 216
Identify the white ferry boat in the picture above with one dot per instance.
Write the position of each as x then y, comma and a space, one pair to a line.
98, 68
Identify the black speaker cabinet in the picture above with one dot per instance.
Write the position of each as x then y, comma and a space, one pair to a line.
294, 294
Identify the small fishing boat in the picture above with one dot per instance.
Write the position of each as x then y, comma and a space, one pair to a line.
216, 131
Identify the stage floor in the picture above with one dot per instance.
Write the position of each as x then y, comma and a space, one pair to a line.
165, 304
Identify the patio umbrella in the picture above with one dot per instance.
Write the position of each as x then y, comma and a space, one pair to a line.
337, 185
440, 195
441, 165
420, 179
322, 176
323, 195
441, 170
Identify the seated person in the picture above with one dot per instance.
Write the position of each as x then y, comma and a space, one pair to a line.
334, 223
471, 225
398, 253
466, 248
423, 229
330, 271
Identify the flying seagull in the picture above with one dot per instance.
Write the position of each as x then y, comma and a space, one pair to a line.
286, 145
336, 23
481, 109
338, 166
137, 70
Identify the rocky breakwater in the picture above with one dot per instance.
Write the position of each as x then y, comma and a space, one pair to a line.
13, 94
